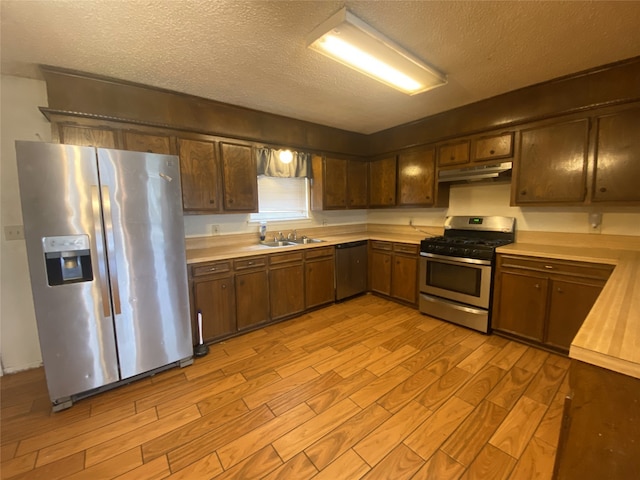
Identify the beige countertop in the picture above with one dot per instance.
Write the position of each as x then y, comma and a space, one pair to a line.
610, 335
237, 251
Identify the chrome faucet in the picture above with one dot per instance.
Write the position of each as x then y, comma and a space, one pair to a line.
293, 235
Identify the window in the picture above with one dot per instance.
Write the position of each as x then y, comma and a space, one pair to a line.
282, 199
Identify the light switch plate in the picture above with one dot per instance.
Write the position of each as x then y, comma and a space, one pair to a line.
13, 232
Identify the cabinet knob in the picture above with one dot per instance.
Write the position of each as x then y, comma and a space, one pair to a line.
452, 158
212, 269
560, 290
491, 152
603, 189
549, 267
212, 201
537, 286
523, 192
250, 263
149, 150
231, 200
224, 286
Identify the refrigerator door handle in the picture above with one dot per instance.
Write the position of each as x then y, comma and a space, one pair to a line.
111, 254
99, 248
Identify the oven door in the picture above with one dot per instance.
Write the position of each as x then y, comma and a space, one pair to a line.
463, 280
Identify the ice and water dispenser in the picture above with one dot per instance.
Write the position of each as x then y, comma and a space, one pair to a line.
68, 259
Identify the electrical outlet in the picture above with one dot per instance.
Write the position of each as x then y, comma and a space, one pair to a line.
214, 229
13, 232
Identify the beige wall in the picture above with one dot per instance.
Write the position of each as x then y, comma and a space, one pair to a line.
20, 119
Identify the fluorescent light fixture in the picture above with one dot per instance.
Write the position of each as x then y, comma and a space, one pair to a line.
348, 40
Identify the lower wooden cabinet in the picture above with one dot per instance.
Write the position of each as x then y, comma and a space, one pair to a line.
252, 291
213, 294
393, 270
545, 301
286, 284
319, 276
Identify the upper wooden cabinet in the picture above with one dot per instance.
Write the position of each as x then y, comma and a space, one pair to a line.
338, 183
552, 164
239, 177
416, 176
382, 182
87, 136
479, 148
617, 157
200, 173
357, 184
143, 142
492, 147
455, 153
335, 183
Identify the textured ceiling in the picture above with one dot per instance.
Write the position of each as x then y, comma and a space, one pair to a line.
253, 53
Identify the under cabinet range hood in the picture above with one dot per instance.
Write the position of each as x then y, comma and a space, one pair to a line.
493, 172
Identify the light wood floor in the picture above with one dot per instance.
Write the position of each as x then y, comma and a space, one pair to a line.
364, 389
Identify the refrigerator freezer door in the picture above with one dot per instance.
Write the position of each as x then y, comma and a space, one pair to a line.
58, 189
144, 233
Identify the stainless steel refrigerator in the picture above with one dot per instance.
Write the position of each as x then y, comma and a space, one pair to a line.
105, 243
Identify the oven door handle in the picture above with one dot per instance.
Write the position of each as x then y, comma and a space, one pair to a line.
455, 260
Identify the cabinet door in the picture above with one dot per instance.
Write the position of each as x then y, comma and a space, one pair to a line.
404, 278
216, 300
617, 164
357, 182
252, 298
380, 272
240, 178
88, 136
522, 305
335, 183
453, 153
142, 142
319, 282
199, 175
382, 182
286, 290
552, 164
493, 147
416, 174
570, 304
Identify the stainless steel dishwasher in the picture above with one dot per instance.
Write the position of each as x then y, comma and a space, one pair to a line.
351, 269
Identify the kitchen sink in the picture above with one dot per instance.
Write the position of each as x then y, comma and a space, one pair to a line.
304, 241
279, 243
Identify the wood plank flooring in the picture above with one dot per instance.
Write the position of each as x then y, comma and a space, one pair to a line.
364, 389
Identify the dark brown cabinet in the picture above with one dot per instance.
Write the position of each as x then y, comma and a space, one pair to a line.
144, 142
88, 136
214, 296
552, 164
404, 273
239, 178
286, 284
416, 176
338, 183
199, 172
319, 276
492, 147
617, 157
252, 291
357, 184
455, 153
545, 301
393, 270
382, 182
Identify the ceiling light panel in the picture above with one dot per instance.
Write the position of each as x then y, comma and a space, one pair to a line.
348, 40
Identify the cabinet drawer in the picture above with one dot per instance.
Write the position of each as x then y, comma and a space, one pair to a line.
249, 262
496, 146
318, 252
405, 248
211, 268
560, 267
378, 245
453, 153
279, 258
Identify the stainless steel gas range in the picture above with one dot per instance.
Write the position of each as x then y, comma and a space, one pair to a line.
456, 269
